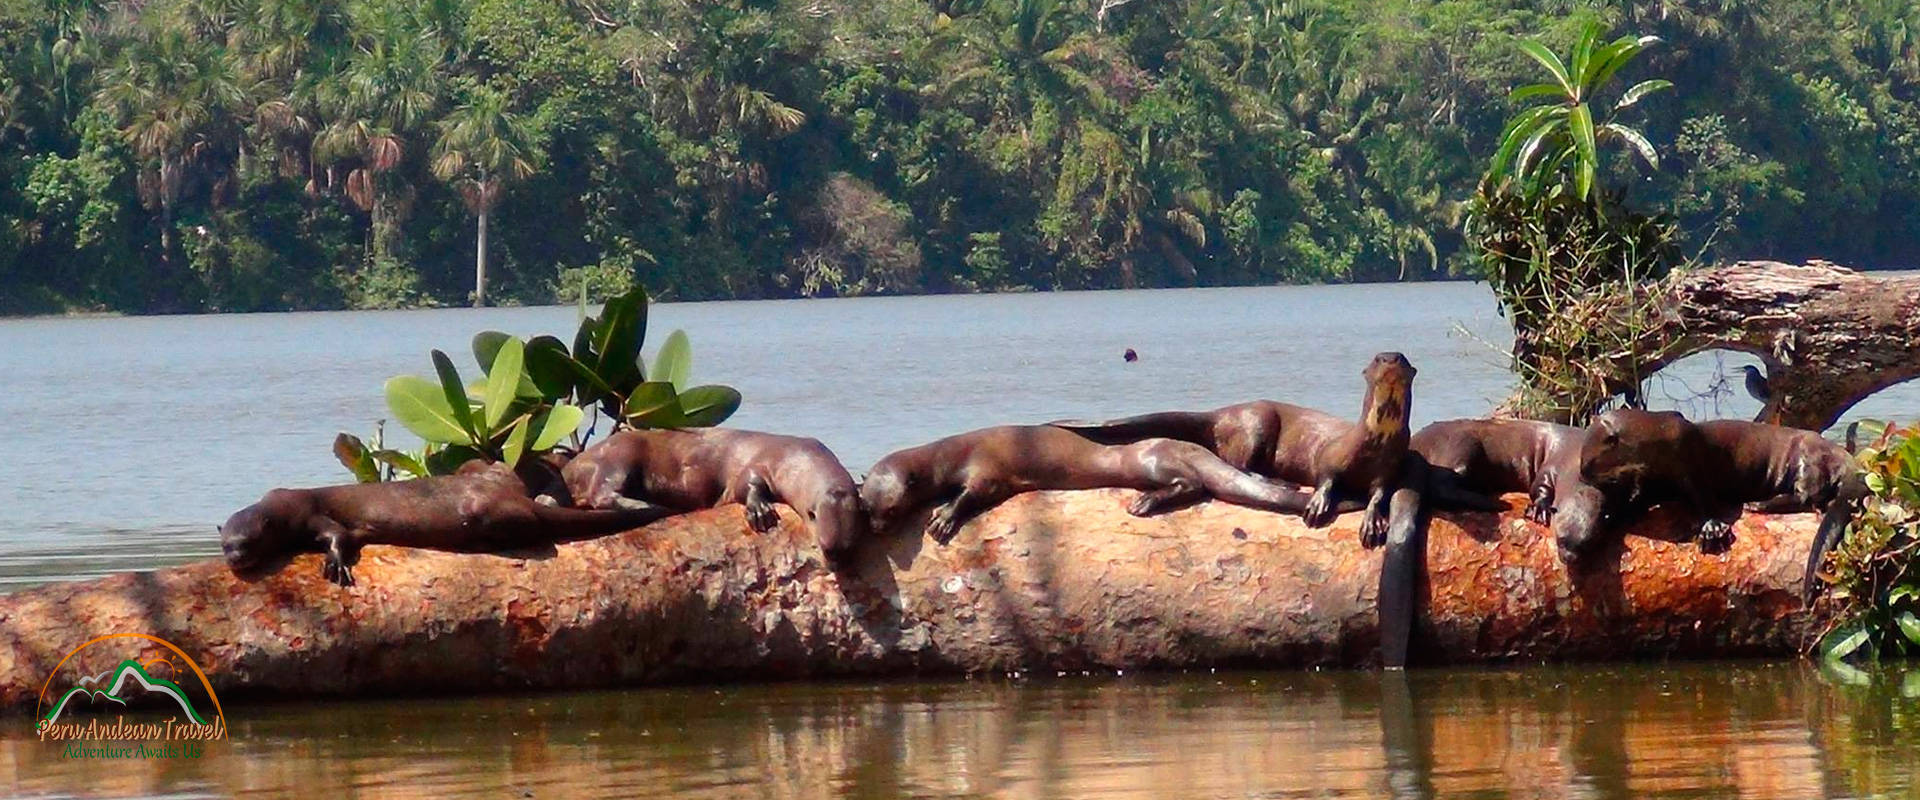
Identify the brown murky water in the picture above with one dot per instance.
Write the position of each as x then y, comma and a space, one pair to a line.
1744, 729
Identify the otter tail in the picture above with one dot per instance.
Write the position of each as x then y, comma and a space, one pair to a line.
1225, 482
1405, 557
1186, 426
1833, 525
575, 524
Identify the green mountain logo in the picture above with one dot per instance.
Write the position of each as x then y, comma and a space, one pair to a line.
117, 683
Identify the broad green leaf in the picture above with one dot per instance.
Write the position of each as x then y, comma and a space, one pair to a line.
1909, 625
1583, 56
653, 404
503, 382
707, 406
353, 455
1580, 126
674, 363
1639, 90
1516, 135
1535, 90
556, 424
551, 376
421, 406
617, 340
1634, 140
448, 459
486, 345
456, 396
1845, 640
516, 445
1540, 53
1877, 482
1522, 166
1608, 60
401, 461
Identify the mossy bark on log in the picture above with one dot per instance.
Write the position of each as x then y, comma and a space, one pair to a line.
1047, 581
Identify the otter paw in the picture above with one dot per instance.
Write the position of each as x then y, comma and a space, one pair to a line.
1320, 511
942, 527
762, 518
336, 572
1715, 537
1373, 531
1539, 513
1149, 504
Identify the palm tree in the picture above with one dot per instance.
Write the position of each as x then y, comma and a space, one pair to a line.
483, 147
387, 93
1561, 134
176, 99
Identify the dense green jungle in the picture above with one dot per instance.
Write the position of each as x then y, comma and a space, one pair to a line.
250, 155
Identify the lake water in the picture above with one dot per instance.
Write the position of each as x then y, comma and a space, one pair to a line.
129, 439
1735, 730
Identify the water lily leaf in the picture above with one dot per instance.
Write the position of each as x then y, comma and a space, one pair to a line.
707, 406
456, 396
421, 406
556, 424
503, 382
674, 363
353, 455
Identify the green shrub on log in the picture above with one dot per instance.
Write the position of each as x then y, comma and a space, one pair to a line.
1874, 573
535, 394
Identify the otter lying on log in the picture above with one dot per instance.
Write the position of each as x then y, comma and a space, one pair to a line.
1716, 468
1046, 581
1492, 457
1638, 459
1339, 459
484, 508
687, 470
971, 472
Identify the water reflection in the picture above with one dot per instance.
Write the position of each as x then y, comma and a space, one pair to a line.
1696, 730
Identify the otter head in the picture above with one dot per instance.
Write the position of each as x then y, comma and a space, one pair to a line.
839, 521
1619, 443
1577, 522
255, 537
1389, 398
891, 490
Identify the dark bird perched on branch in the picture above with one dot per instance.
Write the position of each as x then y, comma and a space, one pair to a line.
1757, 383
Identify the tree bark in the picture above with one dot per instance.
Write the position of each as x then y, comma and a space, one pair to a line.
1047, 581
480, 264
1829, 336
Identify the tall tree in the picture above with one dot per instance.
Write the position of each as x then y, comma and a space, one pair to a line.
177, 100
482, 148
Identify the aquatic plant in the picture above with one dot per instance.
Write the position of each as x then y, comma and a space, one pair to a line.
1873, 568
535, 394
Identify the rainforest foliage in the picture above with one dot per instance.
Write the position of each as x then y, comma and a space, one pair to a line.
229, 155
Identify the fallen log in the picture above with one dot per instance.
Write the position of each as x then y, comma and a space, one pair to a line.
1829, 337
1048, 581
